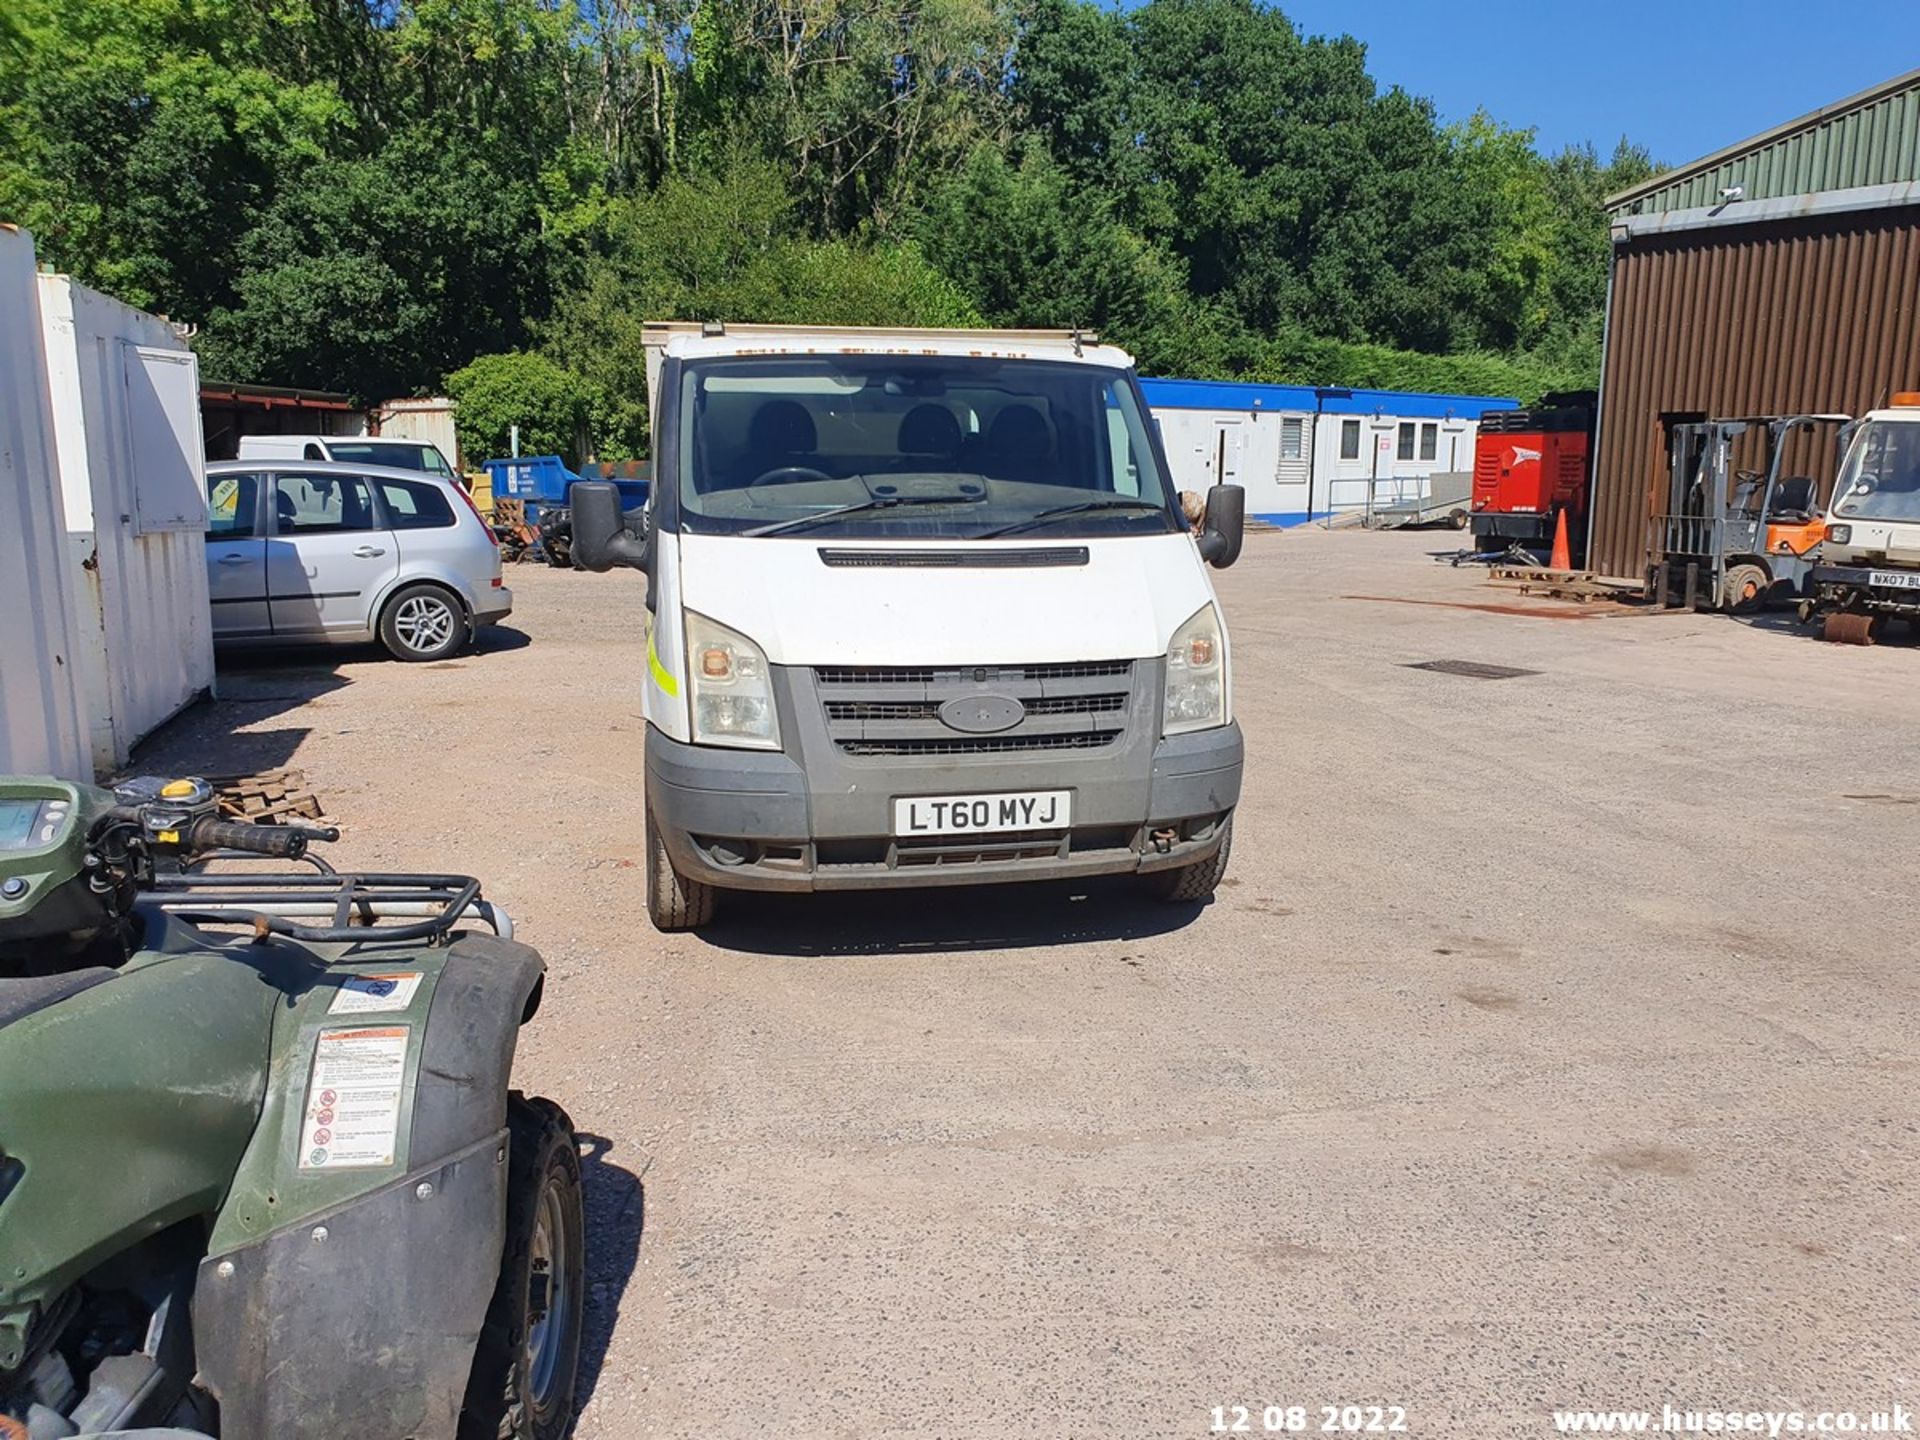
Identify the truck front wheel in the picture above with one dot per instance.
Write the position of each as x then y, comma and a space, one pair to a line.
1195, 882
673, 901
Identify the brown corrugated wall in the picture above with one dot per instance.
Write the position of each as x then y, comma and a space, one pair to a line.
1792, 316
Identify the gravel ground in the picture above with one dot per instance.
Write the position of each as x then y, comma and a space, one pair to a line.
1551, 1044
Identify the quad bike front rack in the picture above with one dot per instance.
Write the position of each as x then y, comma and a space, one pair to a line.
351, 907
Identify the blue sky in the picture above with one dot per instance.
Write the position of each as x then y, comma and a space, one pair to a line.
1682, 77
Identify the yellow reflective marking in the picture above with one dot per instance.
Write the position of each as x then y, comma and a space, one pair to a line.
661, 676
168, 837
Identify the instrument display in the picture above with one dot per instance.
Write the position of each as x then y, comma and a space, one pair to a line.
28, 824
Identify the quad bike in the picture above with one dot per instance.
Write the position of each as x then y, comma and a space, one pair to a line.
260, 1171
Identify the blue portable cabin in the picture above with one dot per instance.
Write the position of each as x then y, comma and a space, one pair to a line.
1306, 451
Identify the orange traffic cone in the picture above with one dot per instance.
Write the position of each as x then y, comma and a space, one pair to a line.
1562, 557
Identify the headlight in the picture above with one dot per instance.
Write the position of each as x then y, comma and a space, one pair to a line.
729, 688
1840, 534
1196, 675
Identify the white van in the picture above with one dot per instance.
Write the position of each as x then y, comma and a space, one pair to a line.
925, 610
394, 453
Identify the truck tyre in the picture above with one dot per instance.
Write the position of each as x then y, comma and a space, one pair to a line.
424, 622
673, 901
1193, 882
526, 1363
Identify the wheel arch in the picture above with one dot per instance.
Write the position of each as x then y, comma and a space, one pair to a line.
405, 579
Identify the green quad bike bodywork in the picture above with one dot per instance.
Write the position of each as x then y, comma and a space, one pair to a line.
260, 1171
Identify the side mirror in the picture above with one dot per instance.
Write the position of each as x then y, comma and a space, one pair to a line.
603, 535
1225, 526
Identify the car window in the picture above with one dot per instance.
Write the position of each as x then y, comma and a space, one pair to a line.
312, 452
396, 455
232, 506
321, 504
412, 506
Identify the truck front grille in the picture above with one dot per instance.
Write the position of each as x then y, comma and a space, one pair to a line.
895, 710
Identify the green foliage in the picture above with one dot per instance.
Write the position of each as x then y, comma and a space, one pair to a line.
726, 245
366, 194
549, 403
377, 275
1300, 359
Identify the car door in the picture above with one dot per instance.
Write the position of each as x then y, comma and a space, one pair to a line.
328, 557
236, 557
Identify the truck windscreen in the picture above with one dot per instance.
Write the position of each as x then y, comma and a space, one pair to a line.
1881, 477
916, 447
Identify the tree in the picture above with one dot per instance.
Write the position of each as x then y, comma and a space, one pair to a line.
727, 246
378, 276
365, 195
549, 403
1029, 247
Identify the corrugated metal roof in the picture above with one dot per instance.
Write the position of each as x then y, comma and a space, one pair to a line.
1300, 399
1872, 138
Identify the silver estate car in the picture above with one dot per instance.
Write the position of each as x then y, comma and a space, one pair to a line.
307, 552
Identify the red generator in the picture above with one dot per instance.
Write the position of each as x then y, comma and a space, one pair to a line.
1528, 466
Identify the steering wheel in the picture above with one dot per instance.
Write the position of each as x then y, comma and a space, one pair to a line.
788, 475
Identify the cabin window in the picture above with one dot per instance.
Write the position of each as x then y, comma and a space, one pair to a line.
1349, 439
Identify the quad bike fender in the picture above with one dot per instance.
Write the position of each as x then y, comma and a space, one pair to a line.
347, 1300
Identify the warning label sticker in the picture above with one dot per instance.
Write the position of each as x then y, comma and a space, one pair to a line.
353, 1098
370, 994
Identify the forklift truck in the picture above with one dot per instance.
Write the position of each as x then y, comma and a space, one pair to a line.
1735, 539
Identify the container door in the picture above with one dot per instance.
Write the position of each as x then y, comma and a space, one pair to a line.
236, 557
1229, 443
329, 557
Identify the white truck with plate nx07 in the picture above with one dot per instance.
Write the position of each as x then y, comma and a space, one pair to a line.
1869, 563
925, 610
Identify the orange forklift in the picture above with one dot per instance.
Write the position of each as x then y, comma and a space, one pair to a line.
1735, 539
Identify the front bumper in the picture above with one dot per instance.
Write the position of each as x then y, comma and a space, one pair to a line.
818, 820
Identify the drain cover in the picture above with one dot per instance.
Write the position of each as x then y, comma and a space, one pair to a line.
1472, 669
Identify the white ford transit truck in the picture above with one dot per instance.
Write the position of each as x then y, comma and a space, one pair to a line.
924, 609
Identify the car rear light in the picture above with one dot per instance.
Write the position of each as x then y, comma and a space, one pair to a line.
497, 583
464, 495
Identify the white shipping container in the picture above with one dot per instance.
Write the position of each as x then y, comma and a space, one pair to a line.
43, 728
126, 411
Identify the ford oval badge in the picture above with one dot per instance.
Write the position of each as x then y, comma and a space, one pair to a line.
982, 714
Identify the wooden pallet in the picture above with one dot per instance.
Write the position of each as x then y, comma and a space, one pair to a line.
270, 795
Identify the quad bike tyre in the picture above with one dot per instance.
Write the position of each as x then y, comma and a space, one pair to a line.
526, 1364
673, 901
1193, 882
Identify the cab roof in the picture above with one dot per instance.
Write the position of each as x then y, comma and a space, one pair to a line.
690, 340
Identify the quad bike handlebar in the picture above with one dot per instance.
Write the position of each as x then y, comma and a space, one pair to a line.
282, 842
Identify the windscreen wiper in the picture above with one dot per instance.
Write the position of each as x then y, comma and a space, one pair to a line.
879, 502
1060, 512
